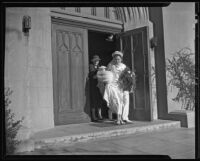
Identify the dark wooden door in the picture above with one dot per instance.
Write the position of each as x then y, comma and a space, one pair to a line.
70, 65
135, 46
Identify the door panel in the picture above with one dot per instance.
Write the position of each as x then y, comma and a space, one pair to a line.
136, 55
69, 48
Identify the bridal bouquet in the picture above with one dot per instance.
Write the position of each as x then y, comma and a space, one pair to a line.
104, 75
127, 80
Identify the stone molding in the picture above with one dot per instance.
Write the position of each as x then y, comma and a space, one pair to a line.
128, 17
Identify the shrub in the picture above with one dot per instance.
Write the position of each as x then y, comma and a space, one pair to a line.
11, 126
181, 70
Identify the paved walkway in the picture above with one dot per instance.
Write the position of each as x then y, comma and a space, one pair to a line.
91, 131
178, 143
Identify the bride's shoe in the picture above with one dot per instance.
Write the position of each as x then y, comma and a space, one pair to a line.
122, 122
128, 121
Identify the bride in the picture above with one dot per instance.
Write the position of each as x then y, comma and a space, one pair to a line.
117, 99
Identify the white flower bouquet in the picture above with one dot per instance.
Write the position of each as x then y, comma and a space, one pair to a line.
105, 76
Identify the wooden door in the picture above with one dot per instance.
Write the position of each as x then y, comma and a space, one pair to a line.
135, 46
70, 69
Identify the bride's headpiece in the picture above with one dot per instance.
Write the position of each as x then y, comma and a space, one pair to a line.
117, 53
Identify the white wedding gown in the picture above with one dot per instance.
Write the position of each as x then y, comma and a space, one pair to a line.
113, 95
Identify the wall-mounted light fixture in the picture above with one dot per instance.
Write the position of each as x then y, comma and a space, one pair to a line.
153, 42
110, 38
26, 25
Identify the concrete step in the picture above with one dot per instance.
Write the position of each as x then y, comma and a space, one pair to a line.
73, 133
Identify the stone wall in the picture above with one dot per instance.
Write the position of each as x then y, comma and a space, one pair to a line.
156, 17
28, 68
153, 76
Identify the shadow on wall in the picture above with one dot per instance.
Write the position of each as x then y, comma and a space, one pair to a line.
15, 31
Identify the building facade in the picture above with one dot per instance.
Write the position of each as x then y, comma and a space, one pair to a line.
47, 68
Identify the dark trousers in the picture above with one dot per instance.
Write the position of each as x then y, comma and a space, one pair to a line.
95, 96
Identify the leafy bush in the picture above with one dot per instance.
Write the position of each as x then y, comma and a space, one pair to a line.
11, 126
181, 70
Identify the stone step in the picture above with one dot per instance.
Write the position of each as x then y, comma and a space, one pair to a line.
73, 133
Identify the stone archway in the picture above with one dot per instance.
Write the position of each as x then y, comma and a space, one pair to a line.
133, 17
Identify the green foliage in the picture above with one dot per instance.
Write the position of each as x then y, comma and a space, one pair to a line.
11, 126
181, 70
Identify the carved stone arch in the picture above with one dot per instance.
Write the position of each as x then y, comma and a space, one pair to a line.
93, 11
120, 13
133, 17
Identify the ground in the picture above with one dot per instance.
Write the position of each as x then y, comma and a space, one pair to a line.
178, 143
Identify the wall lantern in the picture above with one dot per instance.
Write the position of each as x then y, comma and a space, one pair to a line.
110, 38
26, 24
153, 42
